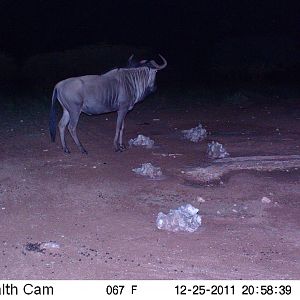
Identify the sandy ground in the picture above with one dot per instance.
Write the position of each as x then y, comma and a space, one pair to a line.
103, 216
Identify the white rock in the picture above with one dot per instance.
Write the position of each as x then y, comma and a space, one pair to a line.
141, 140
216, 150
49, 245
195, 134
184, 218
147, 169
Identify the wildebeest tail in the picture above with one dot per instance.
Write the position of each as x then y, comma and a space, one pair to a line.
52, 120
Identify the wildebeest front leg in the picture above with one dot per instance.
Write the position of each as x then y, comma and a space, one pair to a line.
122, 146
119, 130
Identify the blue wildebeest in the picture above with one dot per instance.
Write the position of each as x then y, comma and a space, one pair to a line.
117, 90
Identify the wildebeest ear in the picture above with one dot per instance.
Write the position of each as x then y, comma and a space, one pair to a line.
132, 62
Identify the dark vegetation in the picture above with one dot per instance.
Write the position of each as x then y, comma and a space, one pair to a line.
235, 69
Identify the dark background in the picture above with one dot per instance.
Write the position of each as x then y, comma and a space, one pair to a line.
204, 41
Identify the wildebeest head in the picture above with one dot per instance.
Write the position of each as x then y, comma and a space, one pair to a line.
153, 68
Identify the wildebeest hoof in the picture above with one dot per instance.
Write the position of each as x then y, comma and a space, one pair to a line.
67, 151
122, 147
83, 151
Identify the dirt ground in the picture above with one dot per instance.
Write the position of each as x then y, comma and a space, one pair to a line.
102, 215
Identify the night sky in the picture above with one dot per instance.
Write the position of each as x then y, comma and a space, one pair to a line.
181, 30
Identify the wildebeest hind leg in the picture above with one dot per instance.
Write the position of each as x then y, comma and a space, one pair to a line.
62, 126
72, 129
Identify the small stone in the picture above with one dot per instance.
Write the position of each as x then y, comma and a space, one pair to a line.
265, 200
200, 199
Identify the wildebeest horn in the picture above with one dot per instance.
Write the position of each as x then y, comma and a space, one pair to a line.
157, 66
131, 57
